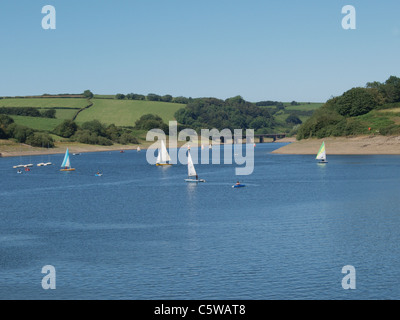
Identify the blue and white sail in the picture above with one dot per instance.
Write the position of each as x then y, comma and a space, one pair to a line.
66, 163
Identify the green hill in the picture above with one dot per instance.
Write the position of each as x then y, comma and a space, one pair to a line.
107, 111
34, 113
374, 108
126, 112
66, 108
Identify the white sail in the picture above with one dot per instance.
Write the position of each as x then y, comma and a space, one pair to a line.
159, 156
322, 153
163, 155
191, 169
66, 163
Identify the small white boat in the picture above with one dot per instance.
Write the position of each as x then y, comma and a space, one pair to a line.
163, 157
66, 165
192, 174
322, 154
138, 149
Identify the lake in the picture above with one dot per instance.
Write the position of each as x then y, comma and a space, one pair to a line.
141, 232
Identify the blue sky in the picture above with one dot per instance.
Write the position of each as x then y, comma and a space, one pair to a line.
262, 50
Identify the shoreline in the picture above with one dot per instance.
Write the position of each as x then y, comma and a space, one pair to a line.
357, 145
10, 149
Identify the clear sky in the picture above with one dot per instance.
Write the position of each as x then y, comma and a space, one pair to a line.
260, 49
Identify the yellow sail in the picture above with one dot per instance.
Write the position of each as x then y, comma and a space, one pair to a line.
322, 152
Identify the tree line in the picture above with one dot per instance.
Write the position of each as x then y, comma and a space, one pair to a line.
232, 113
152, 97
28, 112
339, 116
22, 134
95, 132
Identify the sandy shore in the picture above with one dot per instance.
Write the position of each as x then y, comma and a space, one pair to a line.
373, 144
9, 148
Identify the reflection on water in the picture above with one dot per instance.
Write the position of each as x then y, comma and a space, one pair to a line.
287, 235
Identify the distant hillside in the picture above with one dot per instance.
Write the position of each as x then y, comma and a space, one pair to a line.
126, 112
372, 109
125, 119
109, 110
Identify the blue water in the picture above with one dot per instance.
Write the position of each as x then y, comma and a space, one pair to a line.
141, 232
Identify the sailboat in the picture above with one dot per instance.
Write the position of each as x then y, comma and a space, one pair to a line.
322, 154
66, 165
163, 156
192, 175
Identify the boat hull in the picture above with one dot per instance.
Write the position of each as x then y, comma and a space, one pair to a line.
66, 170
163, 164
238, 186
195, 181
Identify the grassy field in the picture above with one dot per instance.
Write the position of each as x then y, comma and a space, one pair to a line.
70, 108
126, 112
119, 112
282, 115
304, 106
43, 103
42, 124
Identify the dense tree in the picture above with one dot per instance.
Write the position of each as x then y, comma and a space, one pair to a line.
21, 111
3, 134
95, 126
39, 139
355, 102
128, 138
88, 94
5, 121
120, 96
89, 137
49, 113
391, 89
20, 133
267, 103
182, 100
153, 97
151, 121
134, 96
293, 119
233, 113
166, 98
66, 129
